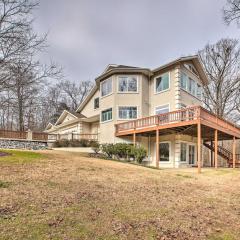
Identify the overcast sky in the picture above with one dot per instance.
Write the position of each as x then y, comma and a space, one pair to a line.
87, 35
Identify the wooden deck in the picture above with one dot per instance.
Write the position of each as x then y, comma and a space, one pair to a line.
179, 120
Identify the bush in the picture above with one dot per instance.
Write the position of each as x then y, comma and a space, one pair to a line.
61, 143
108, 149
124, 151
74, 143
95, 146
139, 154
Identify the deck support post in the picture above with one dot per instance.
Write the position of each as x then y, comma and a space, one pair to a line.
216, 148
234, 152
199, 147
212, 159
157, 148
134, 139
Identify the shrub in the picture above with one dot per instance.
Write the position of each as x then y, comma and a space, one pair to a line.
139, 154
95, 147
83, 143
123, 150
61, 143
108, 149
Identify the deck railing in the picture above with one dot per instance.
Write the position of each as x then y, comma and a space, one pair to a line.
12, 134
73, 136
182, 115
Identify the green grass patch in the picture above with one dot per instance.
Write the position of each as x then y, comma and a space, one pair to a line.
4, 184
20, 157
184, 176
221, 236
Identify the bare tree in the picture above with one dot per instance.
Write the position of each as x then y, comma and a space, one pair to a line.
26, 81
222, 65
231, 12
16, 35
74, 93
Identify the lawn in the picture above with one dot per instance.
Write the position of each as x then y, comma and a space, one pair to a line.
58, 195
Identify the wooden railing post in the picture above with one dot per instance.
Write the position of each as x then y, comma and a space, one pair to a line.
234, 152
157, 148
216, 148
29, 135
199, 147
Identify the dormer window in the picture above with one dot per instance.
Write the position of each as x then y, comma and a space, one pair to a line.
127, 84
162, 82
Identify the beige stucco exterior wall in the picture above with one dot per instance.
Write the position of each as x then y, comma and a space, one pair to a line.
164, 97
185, 97
88, 109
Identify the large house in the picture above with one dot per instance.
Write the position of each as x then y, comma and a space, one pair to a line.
159, 109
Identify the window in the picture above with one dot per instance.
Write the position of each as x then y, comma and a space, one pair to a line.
127, 84
164, 149
106, 115
106, 87
162, 109
162, 82
127, 112
192, 86
96, 103
199, 91
183, 155
191, 154
184, 81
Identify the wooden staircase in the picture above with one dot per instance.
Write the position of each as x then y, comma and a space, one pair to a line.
224, 153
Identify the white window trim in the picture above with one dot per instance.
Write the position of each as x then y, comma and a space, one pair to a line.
161, 106
170, 152
186, 152
165, 90
123, 119
195, 153
127, 92
188, 82
110, 120
101, 88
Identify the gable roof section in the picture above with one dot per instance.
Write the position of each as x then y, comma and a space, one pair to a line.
49, 126
196, 61
65, 113
87, 98
113, 69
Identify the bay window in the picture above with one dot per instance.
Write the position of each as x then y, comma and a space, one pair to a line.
106, 115
162, 82
106, 87
199, 91
184, 81
127, 84
127, 112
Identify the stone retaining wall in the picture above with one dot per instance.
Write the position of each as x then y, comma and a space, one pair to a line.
22, 144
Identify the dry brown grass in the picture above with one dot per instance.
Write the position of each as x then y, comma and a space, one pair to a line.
69, 196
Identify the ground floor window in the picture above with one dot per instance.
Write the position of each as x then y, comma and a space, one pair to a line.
183, 155
164, 151
191, 154
106, 115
